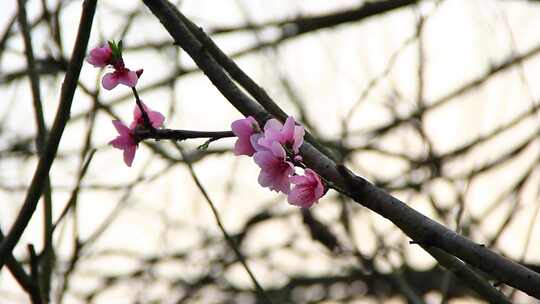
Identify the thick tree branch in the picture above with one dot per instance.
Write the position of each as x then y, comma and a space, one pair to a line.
420, 228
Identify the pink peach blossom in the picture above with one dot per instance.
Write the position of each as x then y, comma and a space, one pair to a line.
289, 135
124, 141
155, 117
100, 56
307, 191
122, 75
244, 129
275, 170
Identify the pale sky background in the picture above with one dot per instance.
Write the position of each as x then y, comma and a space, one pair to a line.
329, 69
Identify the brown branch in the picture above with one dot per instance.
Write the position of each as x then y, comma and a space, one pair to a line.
417, 226
47, 259
179, 135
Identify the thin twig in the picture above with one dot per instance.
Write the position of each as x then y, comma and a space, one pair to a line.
228, 238
179, 135
47, 259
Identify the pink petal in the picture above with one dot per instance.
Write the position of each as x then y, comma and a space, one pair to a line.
244, 129
124, 141
278, 150
298, 138
265, 179
109, 81
242, 147
283, 184
127, 77
299, 179
254, 139
119, 143
264, 159
301, 197
288, 128
156, 119
120, 127
100, 56
273, 124
137, 114
308, 190
129, 155
319, 191
316, 180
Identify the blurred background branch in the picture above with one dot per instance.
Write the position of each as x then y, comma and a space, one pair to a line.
434, 101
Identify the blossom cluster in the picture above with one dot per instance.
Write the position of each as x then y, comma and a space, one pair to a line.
275, 150
110, 54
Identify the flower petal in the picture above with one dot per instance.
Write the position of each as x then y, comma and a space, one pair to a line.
129, 155
273, 124
120, 127
156, 119
244, 129
288, 128
278, 150
109, 81
127, 77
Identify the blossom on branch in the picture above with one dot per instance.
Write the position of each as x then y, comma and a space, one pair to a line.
307, 191
245, 129
111, 54
126, 140
155, 117
121, 76
289, 135
100, 57
275, 169
275, 151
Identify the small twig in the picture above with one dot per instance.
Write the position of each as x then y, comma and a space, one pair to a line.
146, 119
179, 135
34, 269
27, 283
228, 238
48, 257
74, 194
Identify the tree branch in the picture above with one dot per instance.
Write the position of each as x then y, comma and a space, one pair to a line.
417, 226
179, 135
